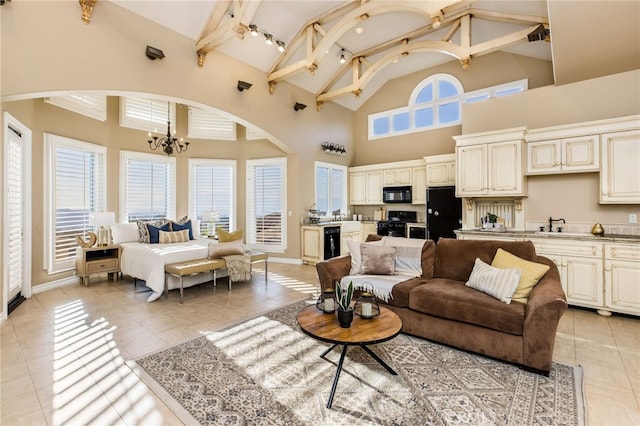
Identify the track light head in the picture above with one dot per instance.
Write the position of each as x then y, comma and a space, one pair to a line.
268, 39
243, 85
253, 29
298, 106
154, 53
280, 45
342, 58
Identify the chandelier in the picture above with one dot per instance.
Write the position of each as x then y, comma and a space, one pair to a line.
168, 143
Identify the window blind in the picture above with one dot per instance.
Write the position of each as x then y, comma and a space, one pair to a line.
147, 114
266, 203
14, 212
213, 190
94, 106
78, 188
149, 193
209, 125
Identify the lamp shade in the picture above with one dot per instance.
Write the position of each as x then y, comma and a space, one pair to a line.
211, 216
102, 219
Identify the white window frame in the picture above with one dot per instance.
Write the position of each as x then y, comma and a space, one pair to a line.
94, 106
250, 166
209, 125
496, 91
345, 178
125, 156
153, 114
195, 162
51, 142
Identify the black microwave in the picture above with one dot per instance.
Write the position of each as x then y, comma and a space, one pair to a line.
396, 194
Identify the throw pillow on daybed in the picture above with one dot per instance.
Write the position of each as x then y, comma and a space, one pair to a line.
531, 272
378, 260
184, 226
154, 232
144, 231
173, 237
218, 250
496, 282
226, 236
124, 233
356, 254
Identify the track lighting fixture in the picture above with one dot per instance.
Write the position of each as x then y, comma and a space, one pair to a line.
298, 106
342, 58
154, 53
243, 85
253, 29
280, 45
268, 39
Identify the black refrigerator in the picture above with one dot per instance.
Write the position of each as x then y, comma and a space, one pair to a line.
444, 212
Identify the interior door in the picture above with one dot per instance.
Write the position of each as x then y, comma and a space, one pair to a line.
17, 261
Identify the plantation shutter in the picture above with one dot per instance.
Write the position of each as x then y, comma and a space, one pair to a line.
266, 204
149, 190
14, 211
79, 176
212, 190
209, 125
147, 114
94, 106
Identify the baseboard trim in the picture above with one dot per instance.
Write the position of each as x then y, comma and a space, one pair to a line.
55, 284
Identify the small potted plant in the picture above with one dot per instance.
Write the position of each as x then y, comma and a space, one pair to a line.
343, 298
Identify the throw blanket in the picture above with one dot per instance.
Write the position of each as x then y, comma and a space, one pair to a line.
380, 286
239, 267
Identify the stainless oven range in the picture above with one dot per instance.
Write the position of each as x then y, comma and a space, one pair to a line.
396, 224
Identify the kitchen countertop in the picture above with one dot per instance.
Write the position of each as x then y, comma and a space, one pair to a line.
634, 239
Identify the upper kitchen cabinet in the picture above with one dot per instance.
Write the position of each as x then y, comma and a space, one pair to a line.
396, 177
620, 174
490, 164
441, 170
365, 187
366, 182
566, 155
419, 187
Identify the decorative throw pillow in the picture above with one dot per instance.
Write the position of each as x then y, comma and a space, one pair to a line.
154, 232
195, 228
496, 282
225, 236
408, 254
531, 272
356, 255
177, 226
378, 260
217, 250
124, 233
144, 231
173, 237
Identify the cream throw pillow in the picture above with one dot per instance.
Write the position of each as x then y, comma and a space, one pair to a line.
496, 282
356, 254
218, 250
378, 260
173, 237
531, 272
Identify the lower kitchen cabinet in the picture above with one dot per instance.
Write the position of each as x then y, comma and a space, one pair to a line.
622, 278
368, 228
312, 244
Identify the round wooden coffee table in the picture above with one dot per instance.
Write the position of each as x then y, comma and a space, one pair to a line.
363, 332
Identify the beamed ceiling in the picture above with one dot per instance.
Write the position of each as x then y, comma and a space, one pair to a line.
383, 40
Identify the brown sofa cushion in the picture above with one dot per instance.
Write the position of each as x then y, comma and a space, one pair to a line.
455, 258
450, 299
400, 292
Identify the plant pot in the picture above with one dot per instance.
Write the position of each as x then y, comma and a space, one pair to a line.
345, 318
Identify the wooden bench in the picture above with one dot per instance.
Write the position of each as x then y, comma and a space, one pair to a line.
198, 266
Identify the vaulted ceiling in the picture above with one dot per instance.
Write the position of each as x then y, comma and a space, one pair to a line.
382, 40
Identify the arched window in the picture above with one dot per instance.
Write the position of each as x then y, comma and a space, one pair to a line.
435, 102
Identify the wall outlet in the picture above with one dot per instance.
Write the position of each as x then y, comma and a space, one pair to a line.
633, 218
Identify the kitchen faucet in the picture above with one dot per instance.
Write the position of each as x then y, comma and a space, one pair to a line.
551, 220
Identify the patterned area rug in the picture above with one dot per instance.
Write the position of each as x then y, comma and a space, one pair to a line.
265, 371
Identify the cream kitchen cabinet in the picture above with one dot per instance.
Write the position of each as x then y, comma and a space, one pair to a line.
622, 278
312, 244
349, 230
365, 187
493, 169
581, 269
397, 177
419, 187
620, 172
367, 228
441, 170
569, 155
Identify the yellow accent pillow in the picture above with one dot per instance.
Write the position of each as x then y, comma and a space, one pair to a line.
531, 273
225, 237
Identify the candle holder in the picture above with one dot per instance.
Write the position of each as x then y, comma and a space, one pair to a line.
327, 301
367, 306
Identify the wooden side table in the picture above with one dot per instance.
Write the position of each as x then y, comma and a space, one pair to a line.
95, 260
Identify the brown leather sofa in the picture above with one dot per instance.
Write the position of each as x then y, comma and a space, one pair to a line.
439, 307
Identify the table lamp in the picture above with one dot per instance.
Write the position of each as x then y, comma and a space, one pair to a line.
102, 223
210, 217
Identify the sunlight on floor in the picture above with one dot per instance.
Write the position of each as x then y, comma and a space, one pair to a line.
293, 284
85, 355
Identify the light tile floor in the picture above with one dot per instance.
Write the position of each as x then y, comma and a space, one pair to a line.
63, 351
